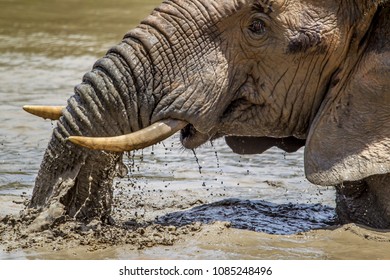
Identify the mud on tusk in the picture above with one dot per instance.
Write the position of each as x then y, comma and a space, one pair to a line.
46, 112
137, 140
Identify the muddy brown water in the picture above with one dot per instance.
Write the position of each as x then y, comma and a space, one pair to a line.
220, 205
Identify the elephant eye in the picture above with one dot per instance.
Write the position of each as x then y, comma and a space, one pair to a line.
257, 26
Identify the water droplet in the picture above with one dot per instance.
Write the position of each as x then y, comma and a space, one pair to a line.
217, 158
197, 161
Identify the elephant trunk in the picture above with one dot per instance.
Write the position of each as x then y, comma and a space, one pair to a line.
115, 98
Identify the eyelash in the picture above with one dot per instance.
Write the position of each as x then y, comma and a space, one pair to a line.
257, 26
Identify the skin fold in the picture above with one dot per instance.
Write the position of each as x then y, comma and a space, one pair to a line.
264, 73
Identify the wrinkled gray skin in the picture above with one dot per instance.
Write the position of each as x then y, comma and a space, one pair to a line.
284, 73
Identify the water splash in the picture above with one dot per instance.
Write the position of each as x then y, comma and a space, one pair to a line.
220, 171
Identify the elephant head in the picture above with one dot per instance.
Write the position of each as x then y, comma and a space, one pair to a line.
308, 71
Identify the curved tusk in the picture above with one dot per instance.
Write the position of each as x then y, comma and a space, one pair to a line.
137, 140
46, 112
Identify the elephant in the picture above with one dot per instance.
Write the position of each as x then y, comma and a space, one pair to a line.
260, 73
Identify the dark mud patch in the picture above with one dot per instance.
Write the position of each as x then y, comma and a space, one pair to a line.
257, 215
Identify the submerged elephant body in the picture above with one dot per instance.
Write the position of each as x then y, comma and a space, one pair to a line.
283, 73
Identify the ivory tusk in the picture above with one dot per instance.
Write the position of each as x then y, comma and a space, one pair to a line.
46, 112
137, 140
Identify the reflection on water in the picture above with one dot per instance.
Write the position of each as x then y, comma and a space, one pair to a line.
47, 46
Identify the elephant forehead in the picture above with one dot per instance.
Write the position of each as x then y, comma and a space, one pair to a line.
310, 28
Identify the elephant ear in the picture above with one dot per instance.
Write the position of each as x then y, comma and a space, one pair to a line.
350, 136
